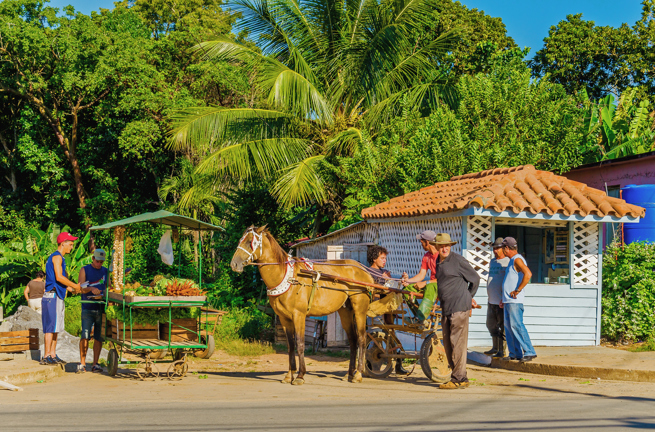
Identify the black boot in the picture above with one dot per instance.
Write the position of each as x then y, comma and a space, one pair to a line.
494, 349
400, 370
502, 348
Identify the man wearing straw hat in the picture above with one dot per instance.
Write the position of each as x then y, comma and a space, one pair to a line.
458, 282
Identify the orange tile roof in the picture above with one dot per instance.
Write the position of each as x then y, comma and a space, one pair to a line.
516, 189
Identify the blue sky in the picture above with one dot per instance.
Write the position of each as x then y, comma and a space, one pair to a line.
527, 21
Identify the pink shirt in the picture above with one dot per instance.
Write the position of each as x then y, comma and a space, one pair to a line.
430, 263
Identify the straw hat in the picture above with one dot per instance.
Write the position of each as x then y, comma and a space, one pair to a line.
442, 239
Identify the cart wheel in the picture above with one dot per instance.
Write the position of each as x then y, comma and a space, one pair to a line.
158, 354
147, 369
375, 365
211, 346
433, 360
177, 354
112, 362
177, 370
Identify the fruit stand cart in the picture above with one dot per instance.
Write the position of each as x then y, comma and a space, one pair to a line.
168, 314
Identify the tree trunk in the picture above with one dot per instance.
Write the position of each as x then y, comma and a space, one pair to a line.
317, 221
11, 178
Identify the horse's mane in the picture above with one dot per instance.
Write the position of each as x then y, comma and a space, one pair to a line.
280, 255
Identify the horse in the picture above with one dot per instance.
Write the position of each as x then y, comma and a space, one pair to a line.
293, 296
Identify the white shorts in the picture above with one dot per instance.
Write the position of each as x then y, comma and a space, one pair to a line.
52, 313
35, 304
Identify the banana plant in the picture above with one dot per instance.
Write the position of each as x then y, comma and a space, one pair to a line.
620, 130
23, 258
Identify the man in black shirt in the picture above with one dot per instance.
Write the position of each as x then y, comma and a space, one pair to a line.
458, 282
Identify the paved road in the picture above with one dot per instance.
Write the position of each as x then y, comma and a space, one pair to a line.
258, 402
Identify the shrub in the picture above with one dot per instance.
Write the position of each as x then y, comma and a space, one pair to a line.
629, 292
242, 323
73, 315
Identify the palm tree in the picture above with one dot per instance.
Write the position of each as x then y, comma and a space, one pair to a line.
332, 73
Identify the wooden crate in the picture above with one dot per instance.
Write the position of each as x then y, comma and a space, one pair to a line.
139, 331
19, 341
118, 297
211, 319
180, 334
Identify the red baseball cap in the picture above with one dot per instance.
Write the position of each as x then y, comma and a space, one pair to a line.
65, 237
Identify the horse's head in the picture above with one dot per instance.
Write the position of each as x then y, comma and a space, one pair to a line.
249, 249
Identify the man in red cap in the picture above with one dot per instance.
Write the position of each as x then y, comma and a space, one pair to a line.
56, 286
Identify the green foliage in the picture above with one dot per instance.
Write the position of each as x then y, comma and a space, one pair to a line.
322, 68
479, 35
629, 292
244, 323
618, 131
19, 260
149, 316
10, 299
503, 118
580, 55
73, 315
245, 348
649, 345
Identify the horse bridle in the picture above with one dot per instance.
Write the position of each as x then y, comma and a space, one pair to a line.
255, 243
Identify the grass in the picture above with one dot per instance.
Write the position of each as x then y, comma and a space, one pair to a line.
649, 345
245, 348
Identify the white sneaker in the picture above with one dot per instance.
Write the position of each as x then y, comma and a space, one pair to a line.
81, 369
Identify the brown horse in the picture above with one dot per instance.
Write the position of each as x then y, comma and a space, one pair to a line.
289, 294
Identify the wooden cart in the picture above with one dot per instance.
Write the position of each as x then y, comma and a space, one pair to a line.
384, 346
152, 342
383, 343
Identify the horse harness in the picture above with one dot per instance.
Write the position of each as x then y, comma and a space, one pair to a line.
288, 280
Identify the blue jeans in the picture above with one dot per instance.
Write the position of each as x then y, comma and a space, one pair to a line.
91, 319
518, 340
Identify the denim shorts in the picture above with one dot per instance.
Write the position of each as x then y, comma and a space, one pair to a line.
92, 319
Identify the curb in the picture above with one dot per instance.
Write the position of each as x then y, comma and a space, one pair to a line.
48, 372
575, 371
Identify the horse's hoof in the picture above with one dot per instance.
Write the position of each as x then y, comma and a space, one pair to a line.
298, 381
357, 378
348, 378
287, 379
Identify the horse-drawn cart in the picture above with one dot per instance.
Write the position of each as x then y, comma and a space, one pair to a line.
384, 344
179, 323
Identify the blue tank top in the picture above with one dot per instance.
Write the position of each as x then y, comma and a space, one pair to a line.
512, 281
51, 279
97, 278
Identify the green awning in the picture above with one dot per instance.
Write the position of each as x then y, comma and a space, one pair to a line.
162, 217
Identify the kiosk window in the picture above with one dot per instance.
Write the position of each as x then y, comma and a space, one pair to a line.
546, 250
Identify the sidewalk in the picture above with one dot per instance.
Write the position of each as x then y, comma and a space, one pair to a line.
23, 371
582, 362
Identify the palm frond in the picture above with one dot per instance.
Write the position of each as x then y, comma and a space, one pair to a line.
293, 92
206, 126
345, 142
264, 157
412, 67
301, 183
392, 105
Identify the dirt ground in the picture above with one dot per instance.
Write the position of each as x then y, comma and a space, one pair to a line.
328, 373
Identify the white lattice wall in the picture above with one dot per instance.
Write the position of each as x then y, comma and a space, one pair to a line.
405, 252
478, 243
360, 233
585, 253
